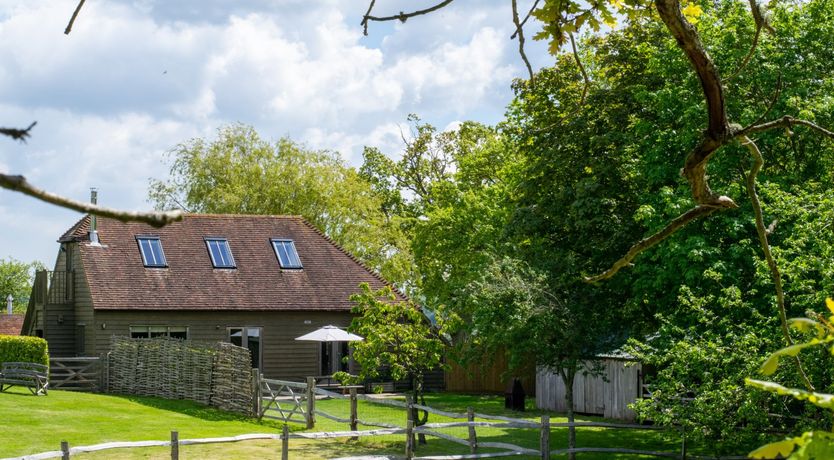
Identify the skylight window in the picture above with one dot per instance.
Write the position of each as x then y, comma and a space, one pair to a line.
221, 255
151, 249
287, 255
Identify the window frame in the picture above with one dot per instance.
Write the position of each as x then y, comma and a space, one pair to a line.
212, 239
275, 242
167, 333
244, 340
149, 239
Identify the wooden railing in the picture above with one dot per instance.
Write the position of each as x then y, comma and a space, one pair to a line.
54, 287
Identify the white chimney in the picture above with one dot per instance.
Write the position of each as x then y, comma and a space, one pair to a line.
9, 300
93, 224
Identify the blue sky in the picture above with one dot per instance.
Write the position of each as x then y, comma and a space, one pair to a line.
135, 78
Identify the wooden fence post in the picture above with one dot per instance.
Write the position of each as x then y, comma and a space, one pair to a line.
544, 446
285, 442
473, 438
409, 439
409, 419
311, 402
256, 392
353, 415
175, 445
65, 454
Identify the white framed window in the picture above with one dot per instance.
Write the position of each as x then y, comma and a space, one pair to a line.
286, 253
220, 253
151, 249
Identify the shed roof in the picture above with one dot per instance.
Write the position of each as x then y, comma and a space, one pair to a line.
118, 279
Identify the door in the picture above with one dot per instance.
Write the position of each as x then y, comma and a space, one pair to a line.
250, 338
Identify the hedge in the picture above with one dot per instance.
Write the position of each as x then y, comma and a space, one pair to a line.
23, 349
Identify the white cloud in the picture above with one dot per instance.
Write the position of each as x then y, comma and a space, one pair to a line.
136, 77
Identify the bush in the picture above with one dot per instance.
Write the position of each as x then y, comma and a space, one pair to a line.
23, 349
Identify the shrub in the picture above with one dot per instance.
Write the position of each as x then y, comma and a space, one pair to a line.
23, 349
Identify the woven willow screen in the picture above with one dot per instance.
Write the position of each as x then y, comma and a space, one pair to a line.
218, 374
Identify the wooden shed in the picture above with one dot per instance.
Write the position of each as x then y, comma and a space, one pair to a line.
593, 394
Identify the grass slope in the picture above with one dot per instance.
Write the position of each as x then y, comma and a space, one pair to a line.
36, 424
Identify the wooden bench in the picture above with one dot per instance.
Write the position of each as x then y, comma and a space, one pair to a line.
33, 376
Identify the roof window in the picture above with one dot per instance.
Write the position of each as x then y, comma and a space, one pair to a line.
286, 253
221, 255
151, 249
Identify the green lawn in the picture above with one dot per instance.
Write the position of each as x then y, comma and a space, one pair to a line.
35, 424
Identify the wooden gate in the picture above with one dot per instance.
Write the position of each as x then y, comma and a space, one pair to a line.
79, 374
286, 401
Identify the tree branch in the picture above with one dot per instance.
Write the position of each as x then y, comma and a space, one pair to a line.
19, 184
402, 17
74, 15
758, 161
585, 78
749, 55
520, 25
18, 134
646, 243
786, 122
520, 32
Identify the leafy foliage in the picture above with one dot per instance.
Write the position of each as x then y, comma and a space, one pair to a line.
23, 350
16, 278
812, 444
398, 337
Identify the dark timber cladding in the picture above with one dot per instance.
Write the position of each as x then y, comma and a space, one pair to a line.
283, 357
115, 288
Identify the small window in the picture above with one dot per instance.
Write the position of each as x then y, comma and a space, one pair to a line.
148, 332
151, 249
287, 255
221, 255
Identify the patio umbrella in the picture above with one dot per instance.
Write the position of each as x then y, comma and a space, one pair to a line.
330, 334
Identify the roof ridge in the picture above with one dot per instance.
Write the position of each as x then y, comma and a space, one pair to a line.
352, 257
232, 216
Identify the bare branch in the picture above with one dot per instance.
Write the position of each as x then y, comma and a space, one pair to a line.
758, 161
759, 17
520, 32
74, 15
749, 55
582, 70
772, 102
18, 134
786, 122
520, 25
19, 184
646, 243
402, 17
364, 22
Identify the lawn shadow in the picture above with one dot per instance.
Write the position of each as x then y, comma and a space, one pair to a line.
195, 409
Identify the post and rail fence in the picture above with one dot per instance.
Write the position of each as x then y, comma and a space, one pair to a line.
299, 407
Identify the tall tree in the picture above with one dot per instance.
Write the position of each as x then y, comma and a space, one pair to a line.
239, 172
16, 278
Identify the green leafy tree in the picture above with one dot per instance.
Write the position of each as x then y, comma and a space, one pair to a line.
239, 172
16, 278
398, 338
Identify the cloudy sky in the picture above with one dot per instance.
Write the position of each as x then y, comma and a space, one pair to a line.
135, 78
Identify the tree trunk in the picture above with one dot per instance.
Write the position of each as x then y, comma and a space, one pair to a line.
417, 388
568, 375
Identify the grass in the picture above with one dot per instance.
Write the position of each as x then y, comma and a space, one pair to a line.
37, 424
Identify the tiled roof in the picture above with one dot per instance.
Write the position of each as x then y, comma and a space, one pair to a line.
11, 324
118, 280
